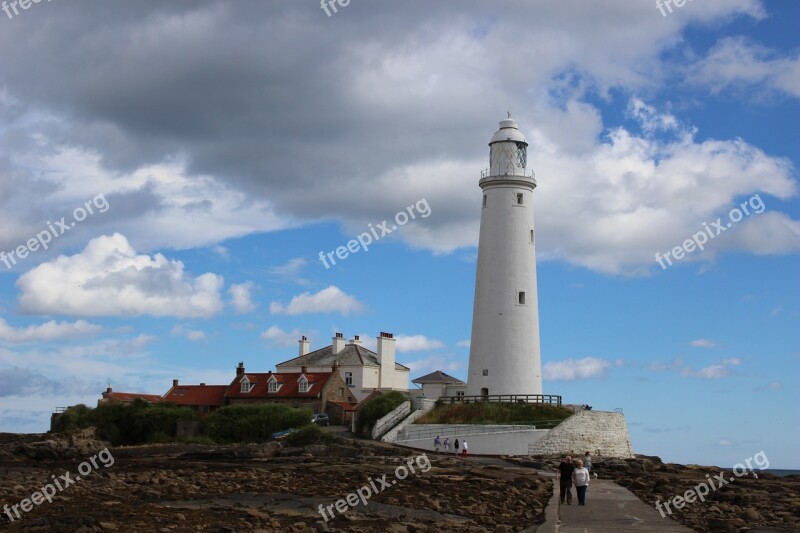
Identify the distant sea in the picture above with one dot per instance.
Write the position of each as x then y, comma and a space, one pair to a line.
783, 473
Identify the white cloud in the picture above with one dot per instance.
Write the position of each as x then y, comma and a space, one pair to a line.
464, 344
417, 343
435, 362
290, 271
108, 278
241, 298
725, 442
775, 385
733, 361
660, 367
709, 372
48, 331
328, 300
572, 369
191, 334
738, 62
280, 337
703, 343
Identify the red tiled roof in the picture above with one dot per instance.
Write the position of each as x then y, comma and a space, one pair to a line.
344, 405
131, 396
288, 385
196, 394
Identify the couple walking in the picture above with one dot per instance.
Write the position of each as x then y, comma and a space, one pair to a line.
569, 472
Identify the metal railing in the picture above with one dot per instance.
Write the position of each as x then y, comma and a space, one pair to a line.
551, 399
486, 173
470, 429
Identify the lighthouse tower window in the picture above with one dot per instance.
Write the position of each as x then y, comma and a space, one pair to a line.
522, 155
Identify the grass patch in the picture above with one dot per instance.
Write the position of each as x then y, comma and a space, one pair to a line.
496, 413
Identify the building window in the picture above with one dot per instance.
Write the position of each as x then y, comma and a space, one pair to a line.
484, 200
348, 378
247, 386
521, 298
520, 197
485, 371
532, 239
460, 394
303, 387
341, 392
273, 386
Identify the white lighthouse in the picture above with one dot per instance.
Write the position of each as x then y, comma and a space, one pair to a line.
504, 355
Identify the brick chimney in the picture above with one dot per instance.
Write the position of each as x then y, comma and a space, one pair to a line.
338, 343
303, 346
356, 340
174, 382
240, 370
386, 346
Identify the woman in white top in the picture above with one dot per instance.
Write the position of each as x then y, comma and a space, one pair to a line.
580, 477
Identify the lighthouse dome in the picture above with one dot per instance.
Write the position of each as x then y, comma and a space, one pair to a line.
509, 131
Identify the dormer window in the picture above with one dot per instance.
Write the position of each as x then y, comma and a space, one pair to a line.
246, 385
272, 385
303, 385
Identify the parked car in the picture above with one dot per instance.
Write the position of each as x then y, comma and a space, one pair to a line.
321, 420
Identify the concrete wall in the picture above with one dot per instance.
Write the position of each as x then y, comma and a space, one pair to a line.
600, 432
483, 440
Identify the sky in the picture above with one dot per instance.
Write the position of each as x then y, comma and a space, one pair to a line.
172, 172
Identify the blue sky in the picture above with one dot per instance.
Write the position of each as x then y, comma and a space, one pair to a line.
218, 165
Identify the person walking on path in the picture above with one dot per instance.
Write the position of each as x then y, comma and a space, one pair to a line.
455, 447
446, 445
587, 462
436, 444
564, 475
580, 476
464, 450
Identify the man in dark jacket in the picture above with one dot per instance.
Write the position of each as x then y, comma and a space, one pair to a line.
564, 474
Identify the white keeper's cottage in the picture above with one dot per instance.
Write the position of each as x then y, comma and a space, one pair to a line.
363, 370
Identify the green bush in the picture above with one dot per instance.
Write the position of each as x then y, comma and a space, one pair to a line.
253, 423
310, 434
123, 424
375, 409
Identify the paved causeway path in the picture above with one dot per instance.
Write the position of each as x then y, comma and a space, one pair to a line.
609, 508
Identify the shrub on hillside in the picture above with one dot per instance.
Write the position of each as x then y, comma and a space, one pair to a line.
310, 434
494, 413
375, 409
123, 424
253, 423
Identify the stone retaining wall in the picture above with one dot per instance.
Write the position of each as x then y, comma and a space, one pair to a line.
599, 432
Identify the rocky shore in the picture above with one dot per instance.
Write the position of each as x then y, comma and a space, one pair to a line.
766, 504
263, 488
